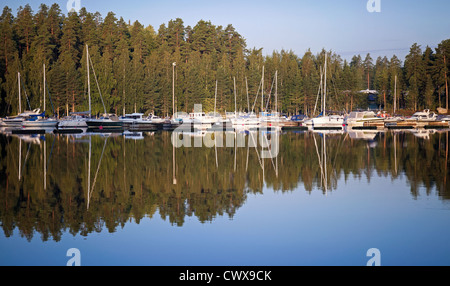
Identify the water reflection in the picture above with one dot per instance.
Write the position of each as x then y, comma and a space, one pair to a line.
86, 182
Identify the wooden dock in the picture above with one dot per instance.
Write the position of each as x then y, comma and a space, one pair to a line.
437, 125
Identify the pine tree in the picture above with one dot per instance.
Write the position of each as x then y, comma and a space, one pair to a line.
121, 63
138, 54
395, 72
442, 68
69, 61
25, 28
368, 68
7, 44
414, 71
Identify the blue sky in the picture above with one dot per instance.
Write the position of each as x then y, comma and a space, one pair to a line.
345, 27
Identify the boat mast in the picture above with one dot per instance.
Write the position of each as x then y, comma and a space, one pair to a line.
89, 170
395, 93
276, 93
248, 102
262, 91
20, 103
325, 87
89, 81
173, 88
44, 90
215, 99
235, 104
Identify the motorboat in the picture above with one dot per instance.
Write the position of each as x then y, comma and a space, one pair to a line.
137, 121
16, 121
107, 121
326, 121
358, 118
74, 120
425, 115
40, 121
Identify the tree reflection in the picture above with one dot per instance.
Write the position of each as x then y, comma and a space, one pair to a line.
85, 184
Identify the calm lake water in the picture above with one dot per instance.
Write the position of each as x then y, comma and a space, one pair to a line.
135, 199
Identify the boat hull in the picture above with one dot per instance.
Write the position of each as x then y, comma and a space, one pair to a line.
72, 124
40, 124
324, 122
12, 122
104, 124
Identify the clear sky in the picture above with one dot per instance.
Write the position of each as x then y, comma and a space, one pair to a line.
343, 26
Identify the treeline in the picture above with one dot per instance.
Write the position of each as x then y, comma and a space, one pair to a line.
134, 68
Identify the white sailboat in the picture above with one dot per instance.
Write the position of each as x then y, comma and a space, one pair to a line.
78, 120
324, 121
40, 121
247, 120
16, 121
107, 121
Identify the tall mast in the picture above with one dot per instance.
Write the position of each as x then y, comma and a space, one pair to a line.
262, 91
215, 99
325, 86
276, 93
20, 103
235, 105
44, 89
446, 84
248, 102
89, 80
395, 93
173, 88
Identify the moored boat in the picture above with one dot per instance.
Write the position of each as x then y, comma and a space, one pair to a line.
360, 118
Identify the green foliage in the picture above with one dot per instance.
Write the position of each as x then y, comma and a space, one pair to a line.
133, 66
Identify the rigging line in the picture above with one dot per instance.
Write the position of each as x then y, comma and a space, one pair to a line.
9, 104
101, 97
335, 91
338, 149
319, 91
270, 93
10, 152
98, 168
26, 157
246, 163
259, 160
23, 86
51, 152
318, 157
256, 97
248, 101
51, 102
267, 142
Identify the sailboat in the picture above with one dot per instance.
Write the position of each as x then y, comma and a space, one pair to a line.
107, 121
324, 121
39, 121
16, 121
274, 119
248, 120
202, 120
